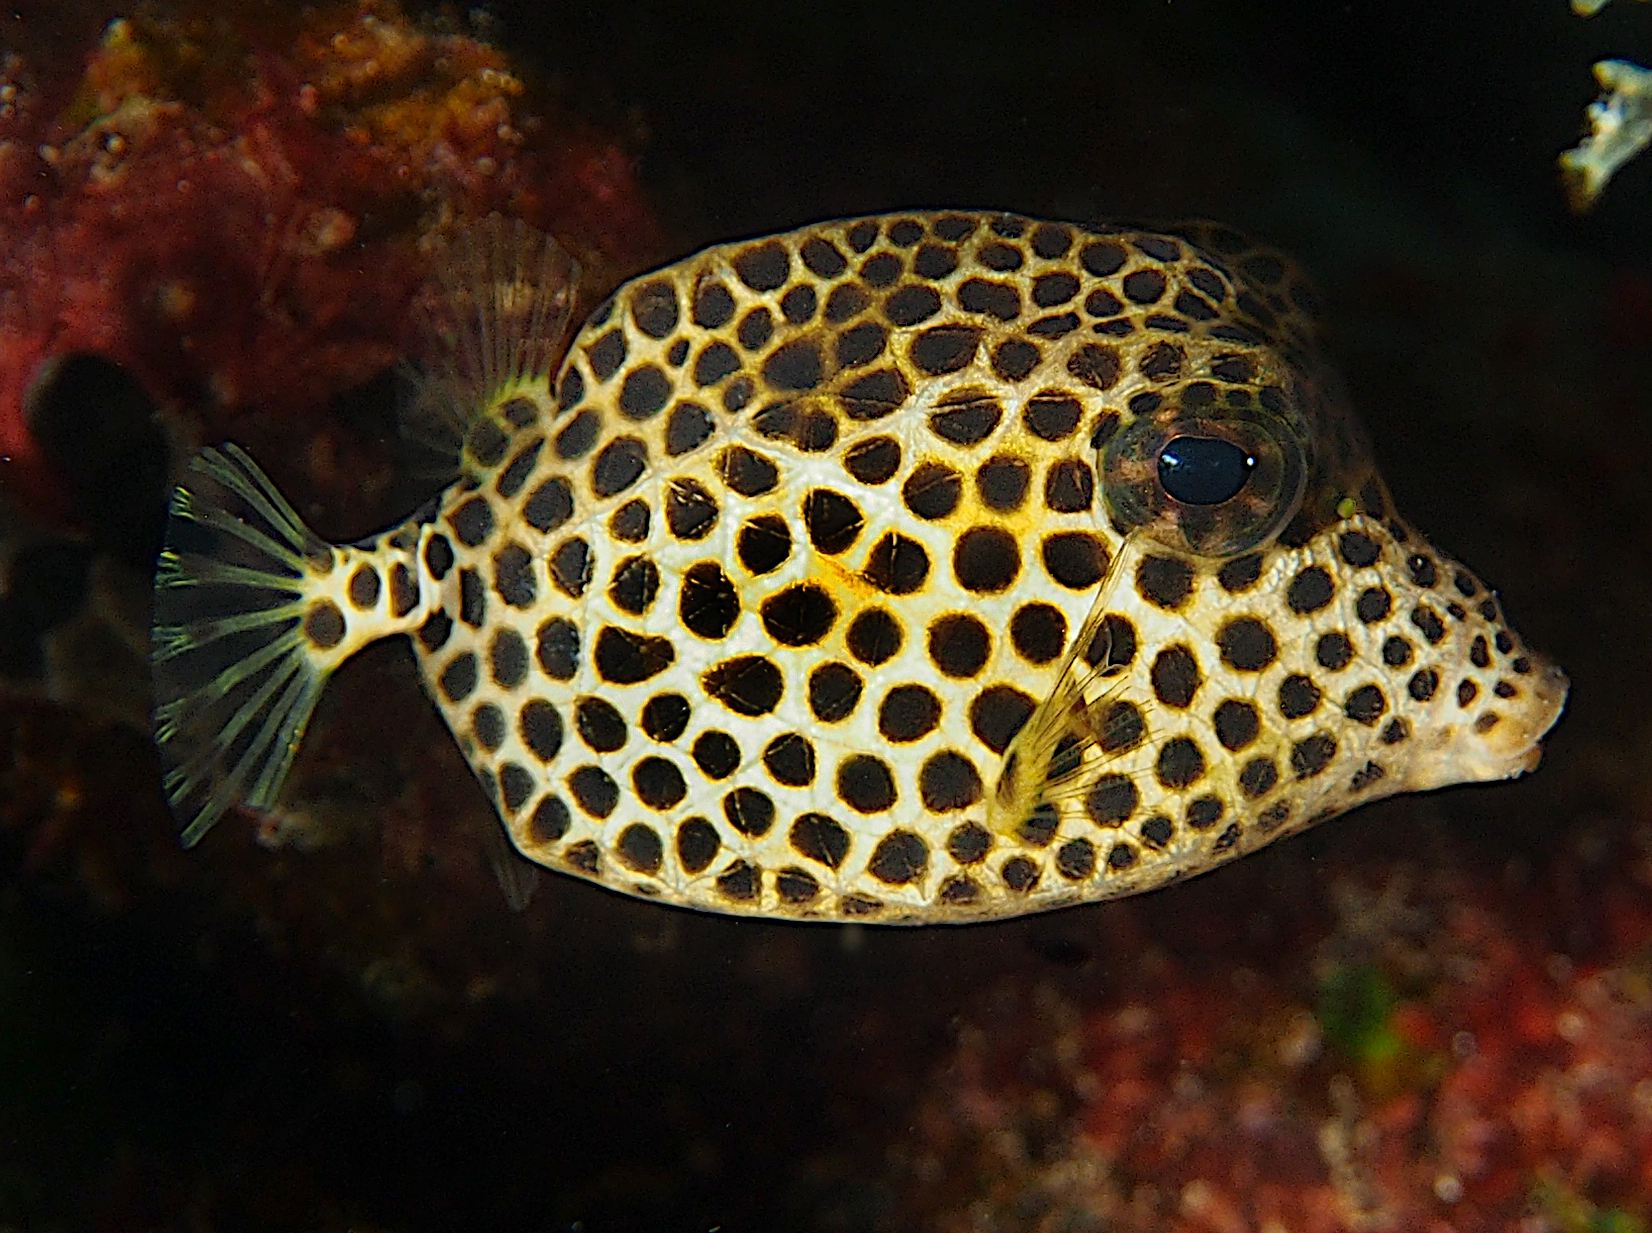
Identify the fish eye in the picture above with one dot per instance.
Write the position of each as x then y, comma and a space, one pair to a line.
1204, 470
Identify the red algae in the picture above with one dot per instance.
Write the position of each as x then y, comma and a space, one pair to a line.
1453, 1073
232, 207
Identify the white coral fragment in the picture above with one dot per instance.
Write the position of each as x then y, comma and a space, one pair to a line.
1620, 127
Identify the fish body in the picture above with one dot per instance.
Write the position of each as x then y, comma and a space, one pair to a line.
919, 568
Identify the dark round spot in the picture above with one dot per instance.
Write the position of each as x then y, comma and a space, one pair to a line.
508, 658
800, 615
1258, 777
899, 858
1428, 623
1373, 604
644, 392
1240, 574
746, 684
606, 354
549, 505
1002, 482
594, 791
458, 679
557, 648
1164, 582
969, 844
1180, 763
516, 786
697, 845
966, 418
749, 811
1039, 632
865, 784
998, 714
1202, 814
1069, 487
635, 583
1144, 286
795, 887
738, 882
932, 490
1103, 257
908, 713
1298, 696
639, 849
1096, 365
948, 782
550, 820
907, 306
986, 560
764, 543
579, 436
873, 461
488, 723
1075, 559
716, 754
991, 299
658, 782
1396, 651
860, 344
833, 521
750, 474
896, 565
819, 838
1366, 705
873, 395
713, 306
599, 724
1310, 590
1020, 874
365, 587
796, 366
1014, 359
1359, 549
665, 716
438, 556
1310, 757
708, 603
822, 258
324, 624
716, 361
1051, 417
1111, 800
763, 267
790, 759
540, 726
1121, 727
1121, 856
944, 348
881, 269
798, 304
434, 633
1246, 644
618, 465
959, 645
1333, 651
874, 636
834, 692
1423, 684
629, 523
1237, 724
1075, 860
625, 658
846, 301
1175, 676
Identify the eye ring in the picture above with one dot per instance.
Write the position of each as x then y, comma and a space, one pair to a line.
1204, 470
1212, 482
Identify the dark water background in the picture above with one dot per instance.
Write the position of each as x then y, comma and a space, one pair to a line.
173, 1067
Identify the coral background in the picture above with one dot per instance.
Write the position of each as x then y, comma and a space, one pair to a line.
1434, 1014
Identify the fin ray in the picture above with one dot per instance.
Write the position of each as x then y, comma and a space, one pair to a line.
235, 681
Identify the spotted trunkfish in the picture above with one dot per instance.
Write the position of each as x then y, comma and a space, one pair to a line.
919, 568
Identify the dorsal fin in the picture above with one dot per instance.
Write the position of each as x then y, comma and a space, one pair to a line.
495, 315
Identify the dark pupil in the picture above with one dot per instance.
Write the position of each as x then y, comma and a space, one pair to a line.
1203, 470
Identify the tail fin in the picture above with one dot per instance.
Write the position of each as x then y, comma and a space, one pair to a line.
234, 649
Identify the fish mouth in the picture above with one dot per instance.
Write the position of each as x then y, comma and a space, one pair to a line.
1510, 747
